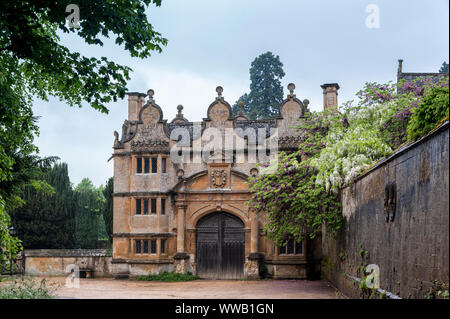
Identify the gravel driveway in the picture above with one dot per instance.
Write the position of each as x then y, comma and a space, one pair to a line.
199, 289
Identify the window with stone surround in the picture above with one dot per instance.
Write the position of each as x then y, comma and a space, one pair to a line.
139, 165
154, 165
163, 246
138, 246
149, 246
153, 246
138, 206
145, 165
146, 206
291, 247
149, 206
153, 202
145, 246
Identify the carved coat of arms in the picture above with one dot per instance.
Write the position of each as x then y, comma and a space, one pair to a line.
219, 178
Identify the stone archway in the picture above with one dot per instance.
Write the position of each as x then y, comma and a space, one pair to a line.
220, 246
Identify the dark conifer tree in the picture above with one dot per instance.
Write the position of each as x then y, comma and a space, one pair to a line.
47, 220
108, 207
444, 68
89, 205
266, 92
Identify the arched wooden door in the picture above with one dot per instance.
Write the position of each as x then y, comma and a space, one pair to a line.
220, 247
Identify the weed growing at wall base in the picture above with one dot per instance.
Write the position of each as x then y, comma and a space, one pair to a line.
27, 288
168, 277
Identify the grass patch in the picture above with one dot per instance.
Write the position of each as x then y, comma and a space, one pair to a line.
168, 277
27, 288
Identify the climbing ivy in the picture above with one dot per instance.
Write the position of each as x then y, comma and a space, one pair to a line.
9, 245
433, 109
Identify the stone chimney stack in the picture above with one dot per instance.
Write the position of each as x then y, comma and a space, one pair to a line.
135, 102
399, 70
330, 95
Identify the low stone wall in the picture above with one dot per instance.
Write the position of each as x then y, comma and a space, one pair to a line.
396, 217
60, 262
128, 268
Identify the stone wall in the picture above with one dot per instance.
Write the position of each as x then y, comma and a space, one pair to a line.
408, 237
58, 262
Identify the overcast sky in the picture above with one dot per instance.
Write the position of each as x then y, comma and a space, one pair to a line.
213, 42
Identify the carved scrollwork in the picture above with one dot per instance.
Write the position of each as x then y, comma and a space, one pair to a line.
154, 145
129, 129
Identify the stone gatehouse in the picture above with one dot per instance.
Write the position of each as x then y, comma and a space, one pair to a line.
180, 201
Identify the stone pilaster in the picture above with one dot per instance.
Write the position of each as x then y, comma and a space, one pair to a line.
181, 258
254, 234
255, 258
181, 211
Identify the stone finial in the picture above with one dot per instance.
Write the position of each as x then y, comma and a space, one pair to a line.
150, 94
291, 88
180, 109
241, 107
116, 139
219, 91
306, 103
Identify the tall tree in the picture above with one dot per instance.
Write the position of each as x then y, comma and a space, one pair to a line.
46, 220
266, 92
108, 192
26, 171
444, 68
88, 209
35, 63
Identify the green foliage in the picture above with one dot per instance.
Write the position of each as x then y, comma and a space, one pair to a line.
355, 139
89, 205
107, 213
9, 245
294, 205
266, 92
376, 126
168, 277
46, 220
337, 146
19, 166
444, 68
439, 290
29, 42
27, 289
430, 111
363, 253
34, 63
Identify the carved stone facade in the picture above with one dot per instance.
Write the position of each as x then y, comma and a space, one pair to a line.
218, 178
180, 208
